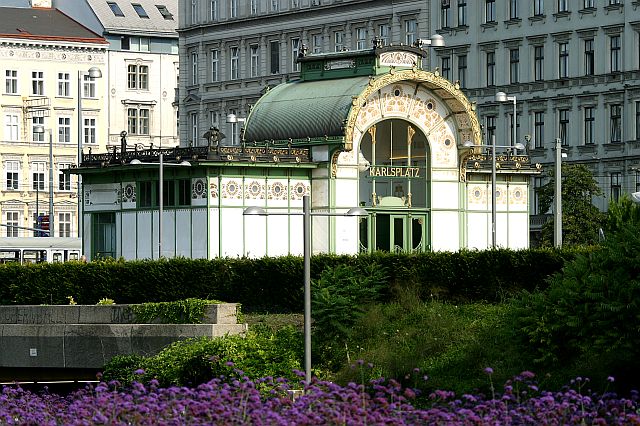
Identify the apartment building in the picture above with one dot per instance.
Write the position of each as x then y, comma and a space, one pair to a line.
47, 63
573, 67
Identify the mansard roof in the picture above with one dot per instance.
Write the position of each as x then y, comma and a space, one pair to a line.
156, 24
43, 24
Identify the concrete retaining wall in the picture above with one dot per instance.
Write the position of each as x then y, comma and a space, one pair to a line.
79, 336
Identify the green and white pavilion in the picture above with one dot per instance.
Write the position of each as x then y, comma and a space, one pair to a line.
366, 129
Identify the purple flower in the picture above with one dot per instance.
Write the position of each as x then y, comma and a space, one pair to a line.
610, 379
488, 370
139, 372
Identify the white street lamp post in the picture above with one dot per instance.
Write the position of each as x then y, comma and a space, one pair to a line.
160, 165
502, 97
40, 129
494, 213
306, 235
93, 72
557, 209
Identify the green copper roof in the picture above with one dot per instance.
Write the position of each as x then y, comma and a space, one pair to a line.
303, 109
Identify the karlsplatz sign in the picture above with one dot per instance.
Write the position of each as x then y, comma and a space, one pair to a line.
389, 171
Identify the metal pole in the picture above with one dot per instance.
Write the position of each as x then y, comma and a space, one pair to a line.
38, 223
160, 205
80, 161
557, 210
51, 230
515, 122
306, 210
493, 191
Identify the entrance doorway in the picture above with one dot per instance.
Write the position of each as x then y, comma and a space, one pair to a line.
396, 232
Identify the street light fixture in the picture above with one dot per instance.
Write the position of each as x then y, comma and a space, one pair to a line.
93, 72
234, 119
502, 97
39, 128
306, 224
635, 197
493, 147
160, 165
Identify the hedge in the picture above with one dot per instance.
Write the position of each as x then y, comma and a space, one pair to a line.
274, 284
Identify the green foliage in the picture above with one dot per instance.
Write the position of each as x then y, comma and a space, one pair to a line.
621, 214
188, 311
339, 297
591, 308
106, 301
581, 220
261, 353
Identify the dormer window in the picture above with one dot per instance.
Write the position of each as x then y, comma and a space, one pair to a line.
164, 12
115, 8
140, 10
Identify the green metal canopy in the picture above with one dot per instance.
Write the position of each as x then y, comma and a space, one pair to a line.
304, 109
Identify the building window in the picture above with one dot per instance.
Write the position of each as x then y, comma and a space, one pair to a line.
254, 60
11, 127
215, 63
13, 221
638, 120
491, 68
538, 59
37, 83
64, 84
589, 57
446, 67
140, 10
295, 4
37, 176
194, 11
462, 13
616, 123
384, 30
514, 122
615, 53
137, 77
538, 7
89, 130
538, 182
115, 8
233, 63
563, 6
538, 130
164, 12
274, 54
637, 182
410, 31
491, 128
89, 87
563, 126
445, 14
274, 5
514, 65
338, 41
233, 8
184, 192
64, 129
234, 139
588, 4
193, 120
64, 179
612, 2
64, 225
37, 136
12, 169
11, 82
361, 38
254, 7
135, 44
194, 68
462, 70
295, 51
213, 10
589, 126
316, 44
563, 60
513, 9
615, 186
490, 11
138, 121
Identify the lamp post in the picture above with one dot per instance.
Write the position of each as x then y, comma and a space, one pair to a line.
160, 165
493, 147
306, 235
39, 128
502, 97
557, 209
233, 119
93, 72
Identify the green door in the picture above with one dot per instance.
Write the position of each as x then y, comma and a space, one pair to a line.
399, 233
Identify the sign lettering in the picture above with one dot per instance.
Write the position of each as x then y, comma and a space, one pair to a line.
389, 171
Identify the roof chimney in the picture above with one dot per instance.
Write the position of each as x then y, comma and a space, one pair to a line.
41, 3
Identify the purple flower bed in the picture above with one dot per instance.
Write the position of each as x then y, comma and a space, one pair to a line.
270, 402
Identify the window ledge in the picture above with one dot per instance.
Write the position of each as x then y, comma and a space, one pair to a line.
588, 11
488, 25
613, 146
613, 7
537, 18
563, 14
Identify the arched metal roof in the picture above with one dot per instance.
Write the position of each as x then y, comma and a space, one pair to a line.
304, 109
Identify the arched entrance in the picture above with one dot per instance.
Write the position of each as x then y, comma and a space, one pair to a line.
394, 183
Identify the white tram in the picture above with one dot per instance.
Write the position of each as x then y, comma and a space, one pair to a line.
39, 249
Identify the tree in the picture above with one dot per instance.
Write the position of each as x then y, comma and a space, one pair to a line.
621, 214
581, 220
